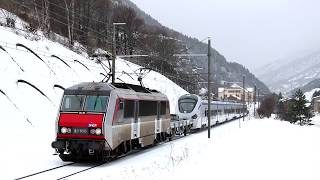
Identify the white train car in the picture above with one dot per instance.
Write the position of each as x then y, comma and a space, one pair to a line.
192, 107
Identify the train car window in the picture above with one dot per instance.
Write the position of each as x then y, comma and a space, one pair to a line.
187, 105
147, 108
72, 103
96, 103
128, 109
214, 112
163, 108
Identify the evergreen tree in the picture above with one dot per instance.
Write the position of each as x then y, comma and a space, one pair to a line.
298, 111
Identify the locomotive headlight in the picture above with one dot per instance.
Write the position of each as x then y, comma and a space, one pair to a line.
64, 130
98, 131
194, 116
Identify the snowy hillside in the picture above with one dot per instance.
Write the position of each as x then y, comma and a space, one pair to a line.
287, 75
33, 72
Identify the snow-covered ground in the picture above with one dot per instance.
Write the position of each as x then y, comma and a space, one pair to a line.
260, 149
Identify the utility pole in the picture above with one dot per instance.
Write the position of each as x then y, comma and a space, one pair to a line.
114, 54
254, 98
209, 86
258, 98
244, 96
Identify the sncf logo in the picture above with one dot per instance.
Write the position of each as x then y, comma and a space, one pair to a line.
92, 125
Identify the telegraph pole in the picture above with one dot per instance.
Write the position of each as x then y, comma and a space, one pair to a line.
258, 98
255, 98
209, 86
244, 96
113, 69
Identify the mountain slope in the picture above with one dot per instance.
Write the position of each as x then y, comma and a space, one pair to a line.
222, 70
292, 74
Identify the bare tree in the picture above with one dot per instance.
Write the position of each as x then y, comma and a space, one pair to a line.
46, 16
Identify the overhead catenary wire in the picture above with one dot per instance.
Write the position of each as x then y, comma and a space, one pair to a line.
50, 55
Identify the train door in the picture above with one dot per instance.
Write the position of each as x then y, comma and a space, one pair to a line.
136, 124
158, 119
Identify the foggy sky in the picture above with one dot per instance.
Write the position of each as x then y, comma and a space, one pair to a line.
250, 32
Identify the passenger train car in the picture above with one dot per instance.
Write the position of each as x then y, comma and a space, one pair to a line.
102, 120
193, 108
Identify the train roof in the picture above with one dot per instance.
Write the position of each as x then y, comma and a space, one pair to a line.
205, 101
104, 89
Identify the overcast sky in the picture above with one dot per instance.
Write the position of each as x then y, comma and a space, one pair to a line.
250, 32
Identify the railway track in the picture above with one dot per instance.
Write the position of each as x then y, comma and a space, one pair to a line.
62, 172
71, 169
44, 171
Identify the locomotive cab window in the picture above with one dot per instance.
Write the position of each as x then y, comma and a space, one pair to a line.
187, 105
72, 103
96, 103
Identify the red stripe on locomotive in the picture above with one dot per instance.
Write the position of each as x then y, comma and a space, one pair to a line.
80, 120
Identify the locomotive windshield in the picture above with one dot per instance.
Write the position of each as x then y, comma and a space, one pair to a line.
187, 105
96, 103
72, 103
84, 103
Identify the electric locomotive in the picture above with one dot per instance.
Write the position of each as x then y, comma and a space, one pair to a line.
103, 120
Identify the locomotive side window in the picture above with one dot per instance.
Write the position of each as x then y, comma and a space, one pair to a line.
72, 103
128, 109
147, 108
96, 103
163, 108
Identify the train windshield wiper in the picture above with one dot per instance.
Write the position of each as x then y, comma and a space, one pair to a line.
95, 103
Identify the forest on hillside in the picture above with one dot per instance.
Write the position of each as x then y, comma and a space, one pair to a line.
90, 23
